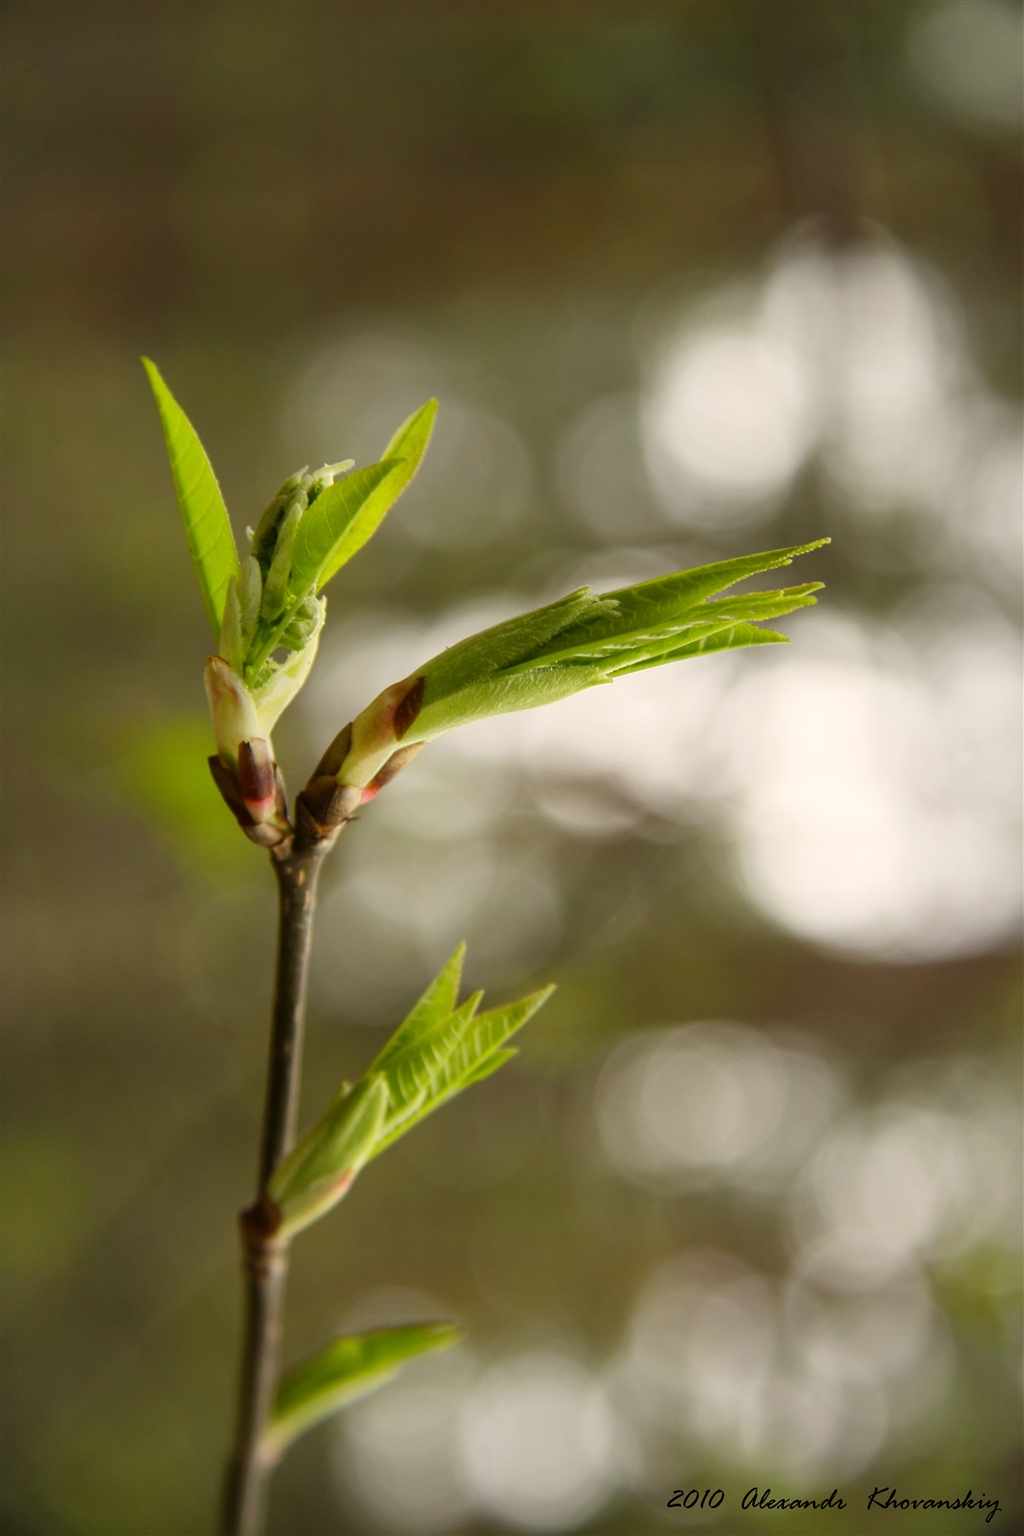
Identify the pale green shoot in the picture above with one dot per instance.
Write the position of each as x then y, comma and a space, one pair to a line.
438, 1051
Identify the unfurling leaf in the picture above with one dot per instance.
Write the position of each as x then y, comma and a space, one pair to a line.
207, 527
250, 596
346, 1369
438, 1050
275, 585
580, 641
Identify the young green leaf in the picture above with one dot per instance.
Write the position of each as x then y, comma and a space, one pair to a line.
437, 1003
437, 1051
232, 645
408, 445
346, 1369
732, 638
441, 1048
275, 584
346, 514
413, 1073
469, 1054
673, 600
331, 518
250, 596
576, 643
274, 695
505, 648
629, 633
207, 527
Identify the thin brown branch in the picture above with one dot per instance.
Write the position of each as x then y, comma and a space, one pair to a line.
265, 1255
321, 811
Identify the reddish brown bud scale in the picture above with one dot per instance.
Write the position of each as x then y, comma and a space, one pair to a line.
323, 808
231, 791
257, 779
395, 763
266, 834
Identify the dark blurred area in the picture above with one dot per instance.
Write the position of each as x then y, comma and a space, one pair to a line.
689, 280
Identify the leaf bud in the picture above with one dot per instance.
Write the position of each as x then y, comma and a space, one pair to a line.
320, 1169
257, 779
232, 709
304, 624
378, 731
267, 834
322, 478
265, 537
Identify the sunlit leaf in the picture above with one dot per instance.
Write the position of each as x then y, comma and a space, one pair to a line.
408, 445
347, 513
274, 696
578, 642
436, 1004
733, 637
325, 526
507, 646
346, 1369
640, 624
438, 1050
670, 600
207, 527
476, 1052
411, 1073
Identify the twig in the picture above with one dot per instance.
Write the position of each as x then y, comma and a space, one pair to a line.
297, 867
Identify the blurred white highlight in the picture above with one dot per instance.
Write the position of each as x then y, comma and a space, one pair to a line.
538, 1442
727, 423
714, 1102
859, 356
531, 1442
904, 1182
710, 1356
600, 472
398, 1451
877, 809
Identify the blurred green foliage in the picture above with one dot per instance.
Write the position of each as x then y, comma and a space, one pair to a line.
163, 769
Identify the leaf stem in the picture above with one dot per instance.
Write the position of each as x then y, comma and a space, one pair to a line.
265, 1255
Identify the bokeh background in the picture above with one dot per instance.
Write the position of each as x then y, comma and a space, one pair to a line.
689, 279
